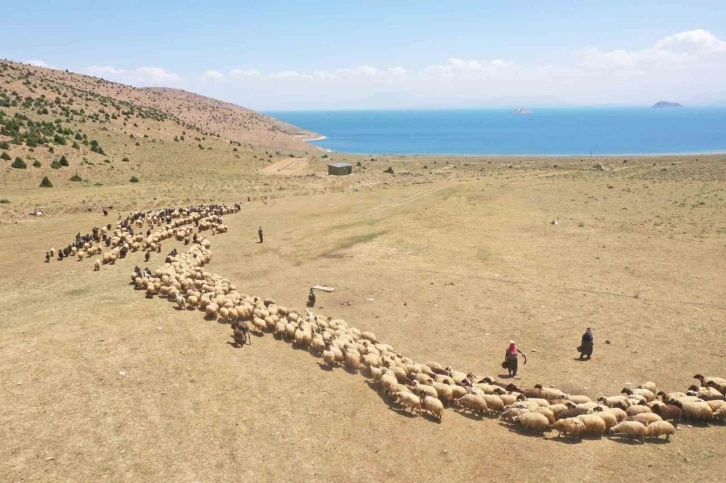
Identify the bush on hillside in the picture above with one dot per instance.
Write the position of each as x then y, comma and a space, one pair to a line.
125, 160
55, 164
76, 145
75, 177
5, 156
64, 160
134, 179
46, 183
19, 164
37, 164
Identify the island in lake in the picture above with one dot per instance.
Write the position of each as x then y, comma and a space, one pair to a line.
665, 105
523, 111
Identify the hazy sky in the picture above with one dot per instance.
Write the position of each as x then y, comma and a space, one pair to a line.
278, 55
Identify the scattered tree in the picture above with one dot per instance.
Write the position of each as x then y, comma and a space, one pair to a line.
19, 164
37, 164
75, 177
134, 179
46, 183
5, 156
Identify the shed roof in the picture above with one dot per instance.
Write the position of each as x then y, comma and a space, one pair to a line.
340, 165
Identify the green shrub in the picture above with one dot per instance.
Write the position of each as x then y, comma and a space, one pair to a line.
125, 160
58, 139
389, 170
5, 156
46, 183
4, 201
76, 145
75, 177
234, 149
4, 145
134, 179
55, 164
64, 161
19, 164
50, 149
107, 161
37, 164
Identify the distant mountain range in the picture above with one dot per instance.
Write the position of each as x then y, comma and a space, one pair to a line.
665, 105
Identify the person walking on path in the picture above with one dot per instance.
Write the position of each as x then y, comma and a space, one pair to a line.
259, 232
511, 360
586, 345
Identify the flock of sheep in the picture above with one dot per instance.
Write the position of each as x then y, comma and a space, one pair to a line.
422, 388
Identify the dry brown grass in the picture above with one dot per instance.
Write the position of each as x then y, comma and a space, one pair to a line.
455, 268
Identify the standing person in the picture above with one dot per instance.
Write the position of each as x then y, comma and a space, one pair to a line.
311, 298
510, 358
259, 232
586, 345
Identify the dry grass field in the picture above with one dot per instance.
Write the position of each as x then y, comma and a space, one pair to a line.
446, 260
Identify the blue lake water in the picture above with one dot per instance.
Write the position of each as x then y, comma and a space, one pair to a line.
551, 131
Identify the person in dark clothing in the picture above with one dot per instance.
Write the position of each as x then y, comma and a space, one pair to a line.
311, 299
105, 212
259, 232
586, 345
47, 257
147, 256
510, 358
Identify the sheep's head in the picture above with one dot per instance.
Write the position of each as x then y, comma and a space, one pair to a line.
699, 377
538, 386
512, 388
499, 390
693, 387
521, 397
488, 380
626, 391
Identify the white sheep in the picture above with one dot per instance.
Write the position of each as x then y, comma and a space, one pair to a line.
632, 429
660, 428
97, 265
408, 400
533, 422
432, 405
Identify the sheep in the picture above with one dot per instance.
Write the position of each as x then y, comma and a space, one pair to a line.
444, 391
509, 414
715, 382
645, 418
352, 359
637, 409
369, 336
240, 334
705, 393
546, 412
97, 265
578, 399
609, 418
615, 401
571, 427
668, 412
694, 410
660, 428
508, 399
716, 404
421, 389
649, 386
632, 429
328, 358
720, 414
317, 346
432, 405
494, 403
648, 395
408, 400
620, 415
533, 422
594, 425
211, 311
550, 393
435, 367
387, 380
543, 403
472, 402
